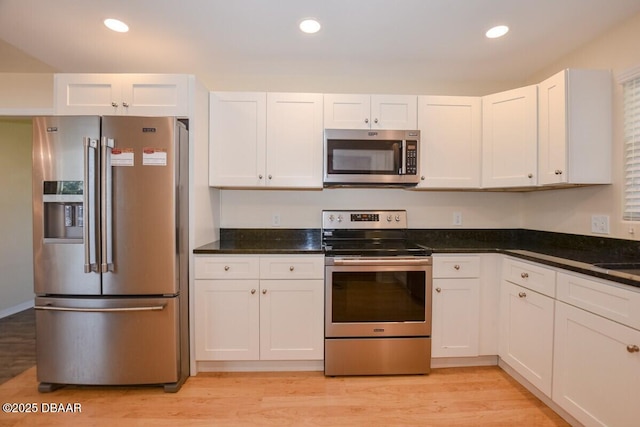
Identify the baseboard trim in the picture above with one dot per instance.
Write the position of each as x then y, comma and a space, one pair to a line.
6, 312
260, 366
463, 362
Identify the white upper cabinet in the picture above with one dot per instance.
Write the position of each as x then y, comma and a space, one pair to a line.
450, 141
265, 140
122, 94
294, 140
237, 139
347, 111
510, 138
574, 133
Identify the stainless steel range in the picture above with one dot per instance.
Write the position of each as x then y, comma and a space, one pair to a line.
378, 295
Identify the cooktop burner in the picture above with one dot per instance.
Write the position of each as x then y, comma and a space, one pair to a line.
368, 234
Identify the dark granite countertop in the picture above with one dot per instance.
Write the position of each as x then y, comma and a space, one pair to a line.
264, 241
567, 251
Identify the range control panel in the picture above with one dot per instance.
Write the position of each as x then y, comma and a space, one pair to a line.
345, 219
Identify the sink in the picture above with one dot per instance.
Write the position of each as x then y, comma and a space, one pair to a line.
623, 267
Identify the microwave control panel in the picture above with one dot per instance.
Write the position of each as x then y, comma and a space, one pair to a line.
412, 158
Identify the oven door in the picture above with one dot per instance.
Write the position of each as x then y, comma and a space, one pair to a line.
378, 297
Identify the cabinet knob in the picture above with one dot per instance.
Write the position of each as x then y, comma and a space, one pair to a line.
558, 172
114, 104
226, 268
522, 295
253, 291
457, 267
438, 290
260, 176
291, 268
530, 175
366, 120
423, 178
125, 104
524, 275
375, 120
264, 291
633, 348
270, 177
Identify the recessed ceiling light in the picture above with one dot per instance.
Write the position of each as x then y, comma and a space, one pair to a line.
116, 25
497, 31
310, 26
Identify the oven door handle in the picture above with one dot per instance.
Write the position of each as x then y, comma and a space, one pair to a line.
382, 261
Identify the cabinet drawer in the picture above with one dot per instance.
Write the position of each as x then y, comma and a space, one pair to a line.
531, 276
456, 266
227, 267
292, 267
607, 300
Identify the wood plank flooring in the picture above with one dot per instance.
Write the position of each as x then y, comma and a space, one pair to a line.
481, 396
17, 344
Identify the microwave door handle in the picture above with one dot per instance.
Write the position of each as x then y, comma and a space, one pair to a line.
403, 157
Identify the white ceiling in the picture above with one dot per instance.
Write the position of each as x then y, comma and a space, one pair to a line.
439, 39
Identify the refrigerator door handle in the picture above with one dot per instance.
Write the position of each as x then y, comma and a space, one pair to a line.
101, 310
88, 211
106, 205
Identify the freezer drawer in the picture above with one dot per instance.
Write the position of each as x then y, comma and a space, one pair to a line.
107, 341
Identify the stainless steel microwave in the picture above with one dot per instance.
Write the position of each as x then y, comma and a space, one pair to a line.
371, 157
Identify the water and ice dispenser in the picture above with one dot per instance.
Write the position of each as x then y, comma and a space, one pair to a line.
63, 211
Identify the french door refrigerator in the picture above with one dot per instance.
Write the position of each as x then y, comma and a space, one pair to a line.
110, 238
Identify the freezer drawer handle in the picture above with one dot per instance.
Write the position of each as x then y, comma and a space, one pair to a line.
101, 310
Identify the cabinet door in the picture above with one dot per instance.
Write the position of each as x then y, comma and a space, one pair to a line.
596, 368
346, 111
292, 320
155, 95
510, 138
294, 140
394, 112
227, 320
87, 94
526, 334
456, 316
575, 132
237, 139
552, 125
450, 141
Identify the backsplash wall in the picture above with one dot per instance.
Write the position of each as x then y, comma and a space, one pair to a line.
426, 209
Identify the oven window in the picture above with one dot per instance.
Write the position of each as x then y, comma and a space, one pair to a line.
364, 157
360, 297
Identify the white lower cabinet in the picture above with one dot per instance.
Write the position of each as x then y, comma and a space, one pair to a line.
278, 314
597, 368
526, 334
455, 306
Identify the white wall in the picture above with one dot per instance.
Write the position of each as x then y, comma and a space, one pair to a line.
16, 279
26, 90
302, 209
570, 210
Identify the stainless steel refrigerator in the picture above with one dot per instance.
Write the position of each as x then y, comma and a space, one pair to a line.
110, 238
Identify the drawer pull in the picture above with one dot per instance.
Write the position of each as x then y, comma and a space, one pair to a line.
264, 292
522, 294
457, 267
438, 290
253, 291
633, 348
291, 268
226, 268
524, 275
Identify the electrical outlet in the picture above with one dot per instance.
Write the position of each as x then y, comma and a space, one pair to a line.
275, 220
600, 224
457, 218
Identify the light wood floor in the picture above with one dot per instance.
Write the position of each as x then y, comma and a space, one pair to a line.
484, 396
